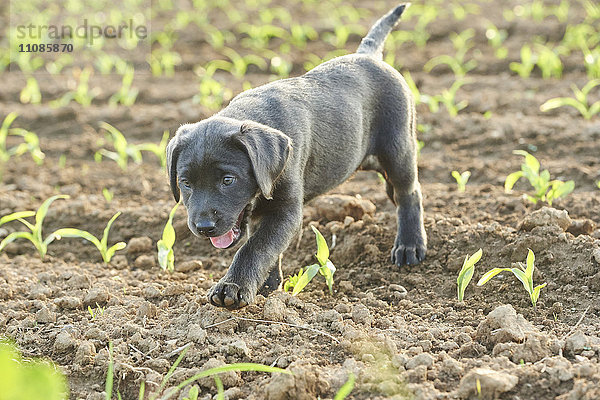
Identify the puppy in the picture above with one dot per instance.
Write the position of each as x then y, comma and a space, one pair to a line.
277, 146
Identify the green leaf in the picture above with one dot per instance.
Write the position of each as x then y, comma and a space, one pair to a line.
305, 278
536, 293
168, 236
490, 274
104, 241
220, 389
511, 179
527, 284
530, 265
16, 215
322, 249
43, 210
466, 273
76, 233
110, 252
564, 101
346, 388
11, 237
166, 257
327, 271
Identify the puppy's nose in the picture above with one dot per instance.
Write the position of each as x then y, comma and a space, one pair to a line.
205, 227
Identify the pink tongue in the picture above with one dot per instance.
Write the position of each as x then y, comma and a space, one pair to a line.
222, 242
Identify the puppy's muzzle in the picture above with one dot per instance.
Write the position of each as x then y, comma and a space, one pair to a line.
205, 227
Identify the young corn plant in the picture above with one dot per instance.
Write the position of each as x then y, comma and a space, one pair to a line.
496, 38
31, 143
528, 61
466, 273
34, 235
548, 62
447, 98
461, 179
523, 273
579, 102
166, 257
545, 189
324, 266
81, 93
126, 94
31, 92
101, 244
462, 43
159, 150
123, 150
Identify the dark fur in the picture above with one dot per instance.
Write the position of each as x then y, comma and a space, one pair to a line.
291, 140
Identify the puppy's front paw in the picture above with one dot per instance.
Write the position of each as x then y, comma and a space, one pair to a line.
230, 295
408, 254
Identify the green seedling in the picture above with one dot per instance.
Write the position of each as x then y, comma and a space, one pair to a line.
35, 230
524, 274
548, 62
447, 98
598, 184
346, 388
545, 189
81, 94
496, 38
466, 273
22, 379
31, 92
461, 179
528, 61
579, 102
99, 311
31, 143
166, 257
62, 161
159, 150
126, 94
101, 244
324, 266
462, 44
108, 195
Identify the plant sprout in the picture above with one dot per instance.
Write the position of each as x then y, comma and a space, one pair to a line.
346, 388
545, 189
527, 63
31, 141
102, 244
35, 230
580, 102
461, 179
466, 273
166, 257
524, 274
324, 266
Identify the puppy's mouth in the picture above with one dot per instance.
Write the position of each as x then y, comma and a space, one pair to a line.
231, 237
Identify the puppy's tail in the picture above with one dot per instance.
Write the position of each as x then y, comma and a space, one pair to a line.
372, 44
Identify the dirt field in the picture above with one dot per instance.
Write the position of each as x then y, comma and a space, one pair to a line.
401, 331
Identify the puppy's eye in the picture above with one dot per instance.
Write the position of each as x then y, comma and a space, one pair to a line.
228, 180
184, 183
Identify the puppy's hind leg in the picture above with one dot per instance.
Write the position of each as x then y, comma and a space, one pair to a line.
399, 160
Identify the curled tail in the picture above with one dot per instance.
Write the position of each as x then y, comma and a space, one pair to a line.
372, 44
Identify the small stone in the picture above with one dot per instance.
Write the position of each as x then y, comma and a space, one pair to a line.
64, 342
238, 348
145, 261
546, 216
491, 383
188, 266
361, 315
96, 295
139, 245
152, 292
274, 309
343, 308
78, 281
422, 359
576, 343
346, 286
68, 302
85, 353
329, 316
45, 316
196, 334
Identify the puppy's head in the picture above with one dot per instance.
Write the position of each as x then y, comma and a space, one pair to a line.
218, 166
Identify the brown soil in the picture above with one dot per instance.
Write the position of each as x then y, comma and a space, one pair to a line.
400, 330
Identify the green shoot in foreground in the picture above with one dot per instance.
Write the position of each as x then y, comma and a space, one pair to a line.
29, 379
35, 230
166, 257
324, 266
545, 189
525, 275
193, 393
466, 273
579, 102
461, 179
102, 244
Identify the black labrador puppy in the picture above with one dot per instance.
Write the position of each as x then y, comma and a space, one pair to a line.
277, 146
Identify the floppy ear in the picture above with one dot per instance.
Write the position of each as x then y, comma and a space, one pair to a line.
268, 149
173, 150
